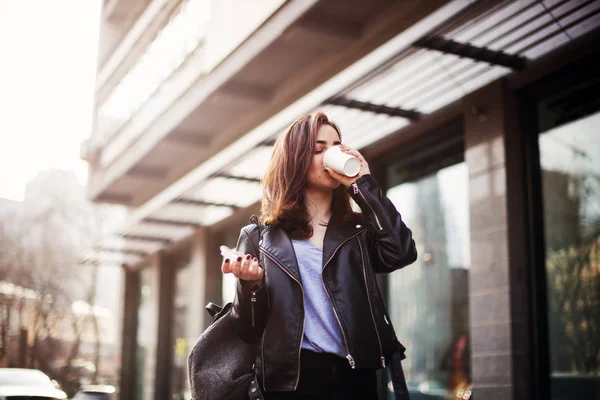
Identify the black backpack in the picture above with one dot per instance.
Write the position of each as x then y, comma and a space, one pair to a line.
221, 364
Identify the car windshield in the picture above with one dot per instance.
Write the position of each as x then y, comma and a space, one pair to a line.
18, 377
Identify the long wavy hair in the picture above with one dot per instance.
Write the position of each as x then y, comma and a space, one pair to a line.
283, 203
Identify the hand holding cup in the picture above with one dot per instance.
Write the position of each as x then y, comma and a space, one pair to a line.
342, 161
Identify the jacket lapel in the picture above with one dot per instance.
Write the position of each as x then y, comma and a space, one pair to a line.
334, 237
277, 244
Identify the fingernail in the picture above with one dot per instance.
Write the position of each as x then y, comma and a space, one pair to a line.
227, 261
255, 259
248, 257
239, 259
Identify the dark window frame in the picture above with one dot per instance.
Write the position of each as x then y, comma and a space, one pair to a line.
528, 98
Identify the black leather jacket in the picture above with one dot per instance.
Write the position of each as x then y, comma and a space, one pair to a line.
274, 313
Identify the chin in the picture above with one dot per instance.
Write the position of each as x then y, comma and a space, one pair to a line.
325, 185
332, 185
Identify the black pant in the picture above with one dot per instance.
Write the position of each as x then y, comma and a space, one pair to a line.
329, 377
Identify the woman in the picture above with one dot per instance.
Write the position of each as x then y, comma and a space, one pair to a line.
314, 306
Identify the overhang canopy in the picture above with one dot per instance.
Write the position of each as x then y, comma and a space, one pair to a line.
416, 73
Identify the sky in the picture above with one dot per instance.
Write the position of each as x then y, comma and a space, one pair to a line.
47, 76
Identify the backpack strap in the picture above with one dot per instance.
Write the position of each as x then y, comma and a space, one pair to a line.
397, 376
213, 309
256, 241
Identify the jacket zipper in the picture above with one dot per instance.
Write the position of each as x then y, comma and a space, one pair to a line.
262, 353
382, 358
349, 356
357, 191
262, 344
302, 337
253, 301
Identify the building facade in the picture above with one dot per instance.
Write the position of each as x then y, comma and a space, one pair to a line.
479, 119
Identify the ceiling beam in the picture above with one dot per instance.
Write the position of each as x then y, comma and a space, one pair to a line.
466, 50
122, 251
238, 178
375, 108
196, 139
97, 262
115, 198
147, 172
327, 28
170, 222
193, 202
144, 238
242, 91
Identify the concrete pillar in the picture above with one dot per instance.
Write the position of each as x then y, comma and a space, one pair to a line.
498, 295
206, 275
165, 287
197, 299
129, 322
213, 276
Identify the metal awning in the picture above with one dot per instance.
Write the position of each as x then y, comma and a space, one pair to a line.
415, 74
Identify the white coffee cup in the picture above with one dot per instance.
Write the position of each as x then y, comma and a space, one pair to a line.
340, 162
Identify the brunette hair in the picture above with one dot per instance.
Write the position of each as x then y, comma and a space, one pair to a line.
282, 204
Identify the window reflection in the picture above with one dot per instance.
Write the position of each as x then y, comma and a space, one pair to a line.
570, 161
146, 338
182, 342
428, 300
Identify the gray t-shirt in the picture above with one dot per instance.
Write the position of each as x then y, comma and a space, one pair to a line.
321, 330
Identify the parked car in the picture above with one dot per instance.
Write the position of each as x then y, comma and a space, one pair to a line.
95, 392
18, 383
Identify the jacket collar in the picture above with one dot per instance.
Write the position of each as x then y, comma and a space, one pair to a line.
335, 237
278, 245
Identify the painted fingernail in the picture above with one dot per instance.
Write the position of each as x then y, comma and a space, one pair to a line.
239, 259
255, 259
227, 261
248, 257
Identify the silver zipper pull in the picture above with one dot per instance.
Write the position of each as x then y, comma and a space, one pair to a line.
383, 361
351, 361
355, 186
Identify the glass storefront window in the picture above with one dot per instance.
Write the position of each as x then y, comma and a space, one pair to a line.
146, 337
182, 343
428, 300
570, 171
